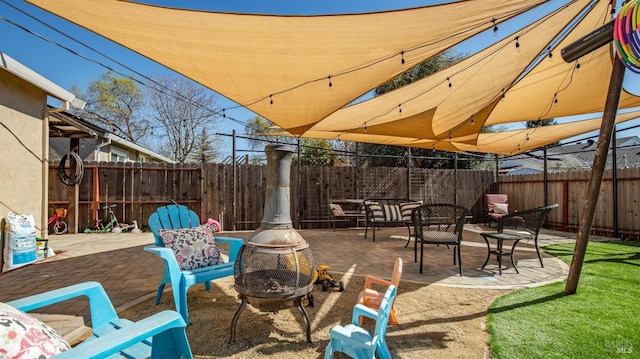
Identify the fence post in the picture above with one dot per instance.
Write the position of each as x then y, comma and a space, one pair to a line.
234, 180
614, 181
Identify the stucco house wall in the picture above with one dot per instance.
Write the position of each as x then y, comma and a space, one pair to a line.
22, 106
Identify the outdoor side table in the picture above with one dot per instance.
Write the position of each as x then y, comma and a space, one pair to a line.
499, 251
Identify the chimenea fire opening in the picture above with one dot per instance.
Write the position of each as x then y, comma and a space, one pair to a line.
274, 268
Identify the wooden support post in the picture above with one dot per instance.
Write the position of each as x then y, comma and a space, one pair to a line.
597, 172
74, 193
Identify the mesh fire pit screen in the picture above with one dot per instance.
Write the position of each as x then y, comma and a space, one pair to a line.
271, 274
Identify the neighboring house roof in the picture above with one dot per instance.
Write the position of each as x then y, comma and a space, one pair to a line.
627, 152
573, 156
67, 125
34, 78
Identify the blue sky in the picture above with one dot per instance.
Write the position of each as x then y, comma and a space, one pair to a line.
54, 51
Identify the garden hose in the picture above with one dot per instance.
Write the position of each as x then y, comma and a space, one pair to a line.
64, 177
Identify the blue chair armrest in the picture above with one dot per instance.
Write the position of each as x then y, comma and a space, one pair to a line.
362, 310
166, 328
102, 311
164, 253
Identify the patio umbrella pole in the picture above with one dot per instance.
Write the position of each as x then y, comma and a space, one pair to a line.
597, 173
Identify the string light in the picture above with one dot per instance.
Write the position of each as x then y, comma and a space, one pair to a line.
330, 83
518, 42
271, 99
449, 81
550, 55
400, 108
555, 99
472, 121
402, 54
365, 127
495, 26
224, 114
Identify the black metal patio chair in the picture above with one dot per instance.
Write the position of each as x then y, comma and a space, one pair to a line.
439, 223
526, 224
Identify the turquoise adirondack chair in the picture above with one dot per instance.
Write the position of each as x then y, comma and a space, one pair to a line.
161, 335
357, 342
177, 217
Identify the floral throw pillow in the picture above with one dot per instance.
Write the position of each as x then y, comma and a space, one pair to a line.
23, 336
193, 247
501, 208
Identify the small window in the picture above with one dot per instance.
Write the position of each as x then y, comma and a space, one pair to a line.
118, 155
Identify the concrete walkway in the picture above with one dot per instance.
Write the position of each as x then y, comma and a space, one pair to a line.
131, 275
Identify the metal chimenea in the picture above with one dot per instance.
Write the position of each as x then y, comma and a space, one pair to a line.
274, 269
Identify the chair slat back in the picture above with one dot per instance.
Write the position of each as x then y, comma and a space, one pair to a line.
530, 220
397, 272
384, 311
439, 223
171, 217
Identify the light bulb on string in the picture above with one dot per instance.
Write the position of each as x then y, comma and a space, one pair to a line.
450, 84
555, 99
503, 95
365, 127
550, 55
472, 121
270, 99
402, 57
518, 43
495, 27
330, 83
577, 66
400, 108
224, 114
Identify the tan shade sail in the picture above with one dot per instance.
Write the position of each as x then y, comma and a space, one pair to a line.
555, 88
518, 141
292, 70
505, 142
442, 105
448, 109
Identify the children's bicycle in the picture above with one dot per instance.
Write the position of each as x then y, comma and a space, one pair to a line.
112, 226
59, 226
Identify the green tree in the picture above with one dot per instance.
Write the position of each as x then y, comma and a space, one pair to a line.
428, 67
317, 152
538, 123
117, 104
259, 128
206, 148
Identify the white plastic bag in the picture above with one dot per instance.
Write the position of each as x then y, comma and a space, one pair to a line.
19, 241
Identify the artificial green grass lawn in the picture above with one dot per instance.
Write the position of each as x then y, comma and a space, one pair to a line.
602, 320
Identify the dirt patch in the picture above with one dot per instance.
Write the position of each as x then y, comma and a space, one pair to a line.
435, 322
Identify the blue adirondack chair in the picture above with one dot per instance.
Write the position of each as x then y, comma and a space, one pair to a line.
357, 342
176, 217
161, 335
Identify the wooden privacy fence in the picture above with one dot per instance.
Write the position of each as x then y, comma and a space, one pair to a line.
569, 190
139, 188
